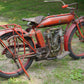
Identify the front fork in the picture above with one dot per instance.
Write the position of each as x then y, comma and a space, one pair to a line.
77, 24
79, 30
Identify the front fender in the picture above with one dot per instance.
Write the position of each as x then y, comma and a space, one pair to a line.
68, 32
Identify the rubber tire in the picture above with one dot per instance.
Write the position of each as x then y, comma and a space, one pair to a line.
4, 75
69, 45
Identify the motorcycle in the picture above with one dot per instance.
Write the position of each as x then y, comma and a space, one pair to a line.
20, 47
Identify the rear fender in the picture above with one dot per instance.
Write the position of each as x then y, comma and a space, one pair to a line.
9, 32
68, 32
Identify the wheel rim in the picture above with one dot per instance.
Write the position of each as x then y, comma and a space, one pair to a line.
77, 42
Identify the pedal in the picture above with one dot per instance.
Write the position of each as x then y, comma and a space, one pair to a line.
65, 53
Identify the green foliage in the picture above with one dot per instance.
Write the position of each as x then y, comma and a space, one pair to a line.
15, 81
38, 66
80, 1
67, 77
15, 10
76, 74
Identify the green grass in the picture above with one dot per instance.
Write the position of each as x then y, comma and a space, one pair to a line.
15, 10
65, 71
15, 81
63, 75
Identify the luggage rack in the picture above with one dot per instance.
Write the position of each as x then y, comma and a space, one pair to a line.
8, 26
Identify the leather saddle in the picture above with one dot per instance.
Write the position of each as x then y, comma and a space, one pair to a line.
36, 20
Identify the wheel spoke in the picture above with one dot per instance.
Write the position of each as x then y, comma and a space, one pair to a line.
16, 63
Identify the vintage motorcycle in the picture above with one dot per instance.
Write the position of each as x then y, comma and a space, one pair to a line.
20, 47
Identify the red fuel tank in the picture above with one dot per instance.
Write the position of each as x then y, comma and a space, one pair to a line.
56, 20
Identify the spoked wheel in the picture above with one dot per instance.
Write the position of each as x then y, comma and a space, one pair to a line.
76, 43
10, 67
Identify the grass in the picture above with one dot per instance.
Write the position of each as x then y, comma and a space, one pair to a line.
15, 10
15, 81
65, 71
61, 75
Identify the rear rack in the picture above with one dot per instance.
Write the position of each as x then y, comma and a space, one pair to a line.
8, 26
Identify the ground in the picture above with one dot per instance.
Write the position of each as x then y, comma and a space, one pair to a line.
65, 71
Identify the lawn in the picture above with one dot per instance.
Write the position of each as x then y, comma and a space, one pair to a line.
65, 71
14, 10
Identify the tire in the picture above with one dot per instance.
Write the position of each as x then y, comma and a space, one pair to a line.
76, 43
9, 73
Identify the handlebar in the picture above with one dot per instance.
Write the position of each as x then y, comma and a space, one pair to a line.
56, 1
66, 5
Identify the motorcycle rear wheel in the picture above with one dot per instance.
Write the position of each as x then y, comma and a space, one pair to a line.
8, 67
76, 43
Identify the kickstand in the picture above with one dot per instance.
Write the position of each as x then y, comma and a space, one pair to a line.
23, 68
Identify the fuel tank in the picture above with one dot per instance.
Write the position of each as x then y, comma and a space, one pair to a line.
56, 20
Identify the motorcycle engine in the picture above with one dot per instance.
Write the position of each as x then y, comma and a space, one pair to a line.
53, 39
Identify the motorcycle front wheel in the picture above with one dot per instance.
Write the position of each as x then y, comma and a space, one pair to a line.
76, 42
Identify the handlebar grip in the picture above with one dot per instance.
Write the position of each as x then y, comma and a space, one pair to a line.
67, 5
64, 6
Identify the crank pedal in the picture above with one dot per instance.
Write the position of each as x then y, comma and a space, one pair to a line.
65, 53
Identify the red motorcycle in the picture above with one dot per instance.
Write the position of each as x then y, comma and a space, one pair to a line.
20, 47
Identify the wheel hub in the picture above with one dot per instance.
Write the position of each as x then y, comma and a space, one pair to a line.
8, 54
